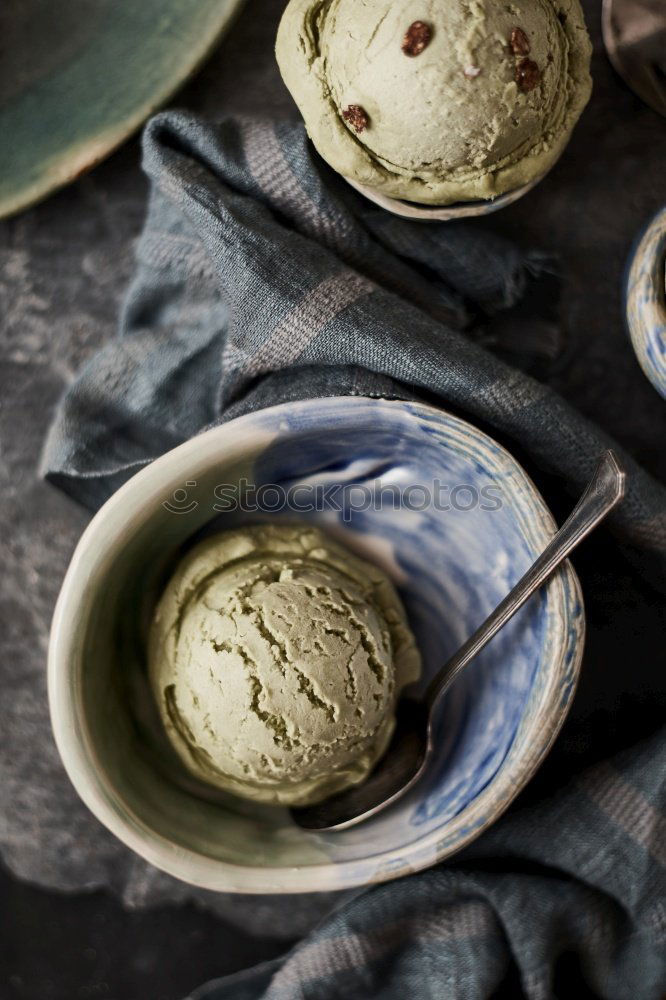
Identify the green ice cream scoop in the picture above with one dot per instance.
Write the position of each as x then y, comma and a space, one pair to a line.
276, 658
437, 101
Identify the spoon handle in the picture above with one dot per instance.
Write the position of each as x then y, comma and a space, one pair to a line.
604, 492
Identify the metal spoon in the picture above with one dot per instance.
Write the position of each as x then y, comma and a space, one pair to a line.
410, 749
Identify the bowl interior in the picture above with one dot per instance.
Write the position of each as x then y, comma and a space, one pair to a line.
466, 525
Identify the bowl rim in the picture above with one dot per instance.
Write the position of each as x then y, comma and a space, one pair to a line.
444, 213
645, 298
78, 753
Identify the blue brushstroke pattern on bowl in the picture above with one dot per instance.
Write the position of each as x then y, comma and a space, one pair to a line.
451, 568
645, 301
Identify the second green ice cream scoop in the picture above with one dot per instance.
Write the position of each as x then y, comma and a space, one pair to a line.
276, 658
437, 101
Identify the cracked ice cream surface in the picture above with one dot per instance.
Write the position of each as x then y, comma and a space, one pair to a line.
451, 123
276, 657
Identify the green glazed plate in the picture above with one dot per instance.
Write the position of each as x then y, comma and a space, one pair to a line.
77, 78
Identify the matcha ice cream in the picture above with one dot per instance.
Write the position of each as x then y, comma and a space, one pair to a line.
276, 657
437, 101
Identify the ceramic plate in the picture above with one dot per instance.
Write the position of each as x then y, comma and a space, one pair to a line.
78, 78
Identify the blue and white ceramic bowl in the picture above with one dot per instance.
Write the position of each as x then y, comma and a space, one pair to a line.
470, 524
646, 301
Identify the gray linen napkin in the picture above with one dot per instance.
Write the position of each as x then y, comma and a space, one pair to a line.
261, 277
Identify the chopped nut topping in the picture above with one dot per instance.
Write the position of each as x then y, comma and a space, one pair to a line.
416, 38
471, 71
356, 117
528, 75
519, 42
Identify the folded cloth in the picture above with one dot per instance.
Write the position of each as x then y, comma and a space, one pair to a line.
262, 278
252, 262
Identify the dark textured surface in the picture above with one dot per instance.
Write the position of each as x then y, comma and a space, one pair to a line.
63, 269
75, 947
